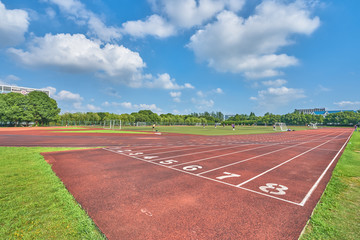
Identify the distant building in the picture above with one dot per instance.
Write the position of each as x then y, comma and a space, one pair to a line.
310, 110
320, 111
22, 90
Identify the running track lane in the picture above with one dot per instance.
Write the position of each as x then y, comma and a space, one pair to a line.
132, 199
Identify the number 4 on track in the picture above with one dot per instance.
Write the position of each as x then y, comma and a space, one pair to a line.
228, 175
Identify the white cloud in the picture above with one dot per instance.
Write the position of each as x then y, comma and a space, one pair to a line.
274, 83
218, 91
273, 98
77, 12
13, 25
64, 95
71, 101
129, 105
189, 13
153, 25
250, 46
202, 103
200, 94
76, 53
176, 96
164, 81
353, 105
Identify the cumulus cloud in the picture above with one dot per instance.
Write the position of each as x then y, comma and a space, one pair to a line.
164, 81
73, 102
250, 46
76, 53
274, 83
352, 105
272, 98
153, 25
176, 96
77, 12
64, 95
131, 106
218, 91
189, 13
202, 104
13, 25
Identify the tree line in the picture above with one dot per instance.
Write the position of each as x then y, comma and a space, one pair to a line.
39, 109
36, 107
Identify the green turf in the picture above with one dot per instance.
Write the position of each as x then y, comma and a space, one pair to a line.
211, 130
337, 216
34, 203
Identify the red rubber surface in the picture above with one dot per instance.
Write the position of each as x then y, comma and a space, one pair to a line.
130, 193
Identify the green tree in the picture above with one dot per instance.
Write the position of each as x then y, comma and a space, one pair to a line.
44, 109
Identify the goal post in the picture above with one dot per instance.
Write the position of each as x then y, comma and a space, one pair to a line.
313, 125
279, 126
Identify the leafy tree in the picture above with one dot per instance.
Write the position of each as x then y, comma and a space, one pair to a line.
44, 109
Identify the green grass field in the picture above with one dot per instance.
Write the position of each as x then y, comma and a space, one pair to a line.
337, 216
34, 203
196, 130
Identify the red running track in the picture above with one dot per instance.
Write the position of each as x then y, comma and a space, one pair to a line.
195, 187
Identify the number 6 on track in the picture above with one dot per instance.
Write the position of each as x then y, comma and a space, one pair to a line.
192, 167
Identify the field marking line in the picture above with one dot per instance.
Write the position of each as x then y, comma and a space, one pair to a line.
225, 154
188, 148
187, 154
150, 148
279, 165
248, 159
308, 195
204, 177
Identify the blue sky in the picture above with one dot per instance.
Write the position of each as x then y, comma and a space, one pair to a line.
172, 56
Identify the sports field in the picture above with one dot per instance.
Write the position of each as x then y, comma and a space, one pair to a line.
178, 186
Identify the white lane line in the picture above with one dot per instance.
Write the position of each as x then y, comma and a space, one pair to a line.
194, 153
188, 148
308, 195
283, 142
225, 154
214, 180
248, 159
269, 170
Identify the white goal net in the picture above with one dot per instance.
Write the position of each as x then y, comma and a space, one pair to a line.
280, 126
313, 125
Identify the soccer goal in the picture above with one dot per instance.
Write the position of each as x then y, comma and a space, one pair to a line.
141, 124
313, 125
280, 126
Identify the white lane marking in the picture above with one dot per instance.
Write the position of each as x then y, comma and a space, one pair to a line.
302, 203
273, 186
227, 175
269, 170
216, 149
211, 179
248, 159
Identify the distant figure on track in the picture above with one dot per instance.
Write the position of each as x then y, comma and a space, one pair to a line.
233, 126
153, 127
355, 127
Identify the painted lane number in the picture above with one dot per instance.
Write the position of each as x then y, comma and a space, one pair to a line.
228, 175
192, 168
168, 162
274, 188
134, 154
150, 157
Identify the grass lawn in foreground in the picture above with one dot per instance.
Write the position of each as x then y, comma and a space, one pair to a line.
337, 215
34, 203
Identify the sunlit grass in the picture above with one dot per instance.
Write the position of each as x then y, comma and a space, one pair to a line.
337, 215
34, 203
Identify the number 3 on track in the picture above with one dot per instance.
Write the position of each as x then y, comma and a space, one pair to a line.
274, 188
